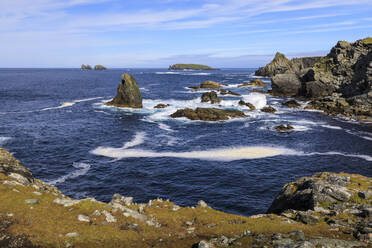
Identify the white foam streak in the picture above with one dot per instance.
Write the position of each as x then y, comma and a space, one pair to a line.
165, 127
331, 153
83, 169
257, 99
69, 104
3, 140
224, 154
139, 138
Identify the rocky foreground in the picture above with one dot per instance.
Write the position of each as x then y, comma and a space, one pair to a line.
326, 210
339, 83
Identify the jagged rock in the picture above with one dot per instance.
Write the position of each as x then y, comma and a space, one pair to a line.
117, 198
109, 217
99, 68
268, 109
208, 114
13, 168
307, 218
254, 82
248, 104
284, 128
228, 92
86, 67
128, 93
161, 105
211, 97
280, 64
292, 104
309, 192
287, 84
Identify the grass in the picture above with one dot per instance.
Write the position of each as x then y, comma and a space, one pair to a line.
367, 40
47, 223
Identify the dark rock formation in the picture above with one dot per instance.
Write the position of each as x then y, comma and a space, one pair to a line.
208, 114
99, 68
268, 109
228, 92
284, 128
286, 84
292, 104
128, 93
280, 64
207, 85
211, 97
248, 104
86, 67
190, 67
161, 105
254, 82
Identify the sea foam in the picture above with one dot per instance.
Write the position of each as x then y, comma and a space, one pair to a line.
83, 169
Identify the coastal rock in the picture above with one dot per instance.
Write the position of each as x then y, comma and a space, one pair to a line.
86, 67
211, 97
287, 84
292, 104
249, 105
161, 105
284, 128
208, 114
99, 68
210, 85
228, 92
309, 192
254, 82
128, 93
190, 67
268, 109
13, 168
280, 64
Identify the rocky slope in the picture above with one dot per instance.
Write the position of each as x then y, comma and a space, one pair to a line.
128, 94
190, 67
326, 210
339, 83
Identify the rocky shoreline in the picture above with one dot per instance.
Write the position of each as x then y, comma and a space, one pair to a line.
325, 210
338, 84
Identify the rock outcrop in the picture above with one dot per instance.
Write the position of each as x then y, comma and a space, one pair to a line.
208, 114
190, 67
12, 167
210, 97
254, 82
339, 83
99, 68
207, 85
86, 67
284, 128
128, 93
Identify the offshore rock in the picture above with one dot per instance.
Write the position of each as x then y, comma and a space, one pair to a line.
128, 93
86, 67
284, 128
268, 109
190, 67
207, 85
211, 97
99, 68
208, 114
228, 92
280, 64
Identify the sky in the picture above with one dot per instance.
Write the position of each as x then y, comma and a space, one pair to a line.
157, 33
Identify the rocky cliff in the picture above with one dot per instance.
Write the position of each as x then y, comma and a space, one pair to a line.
326, 210
339, 83
128, 94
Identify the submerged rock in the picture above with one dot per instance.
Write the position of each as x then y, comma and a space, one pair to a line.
292, 104
284, 128
128, 93
211, 97
268, 109
161, 105
208, 114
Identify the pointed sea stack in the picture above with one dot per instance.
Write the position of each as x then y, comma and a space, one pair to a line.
128, 95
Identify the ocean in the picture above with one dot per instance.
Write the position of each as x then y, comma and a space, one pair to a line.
55, 122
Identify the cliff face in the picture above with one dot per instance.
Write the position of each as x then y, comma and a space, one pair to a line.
339, 83
326, 210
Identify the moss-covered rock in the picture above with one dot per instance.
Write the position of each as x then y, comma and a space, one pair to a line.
190, 67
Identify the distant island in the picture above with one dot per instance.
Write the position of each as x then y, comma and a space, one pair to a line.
190, 67
96, 67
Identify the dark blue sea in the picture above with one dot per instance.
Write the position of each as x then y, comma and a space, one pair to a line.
55, 122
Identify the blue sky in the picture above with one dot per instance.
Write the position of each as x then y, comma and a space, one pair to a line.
157, 33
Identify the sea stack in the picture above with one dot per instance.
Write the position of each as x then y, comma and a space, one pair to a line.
128, 94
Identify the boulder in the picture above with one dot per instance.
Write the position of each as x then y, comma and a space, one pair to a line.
128, 93
315, 89
287, 84
248, 104
284, 128
254, 82
268, 109
13, 168
211, 97
292, 104
228, 92
161, 105
86, 67
210, 85
208, 114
